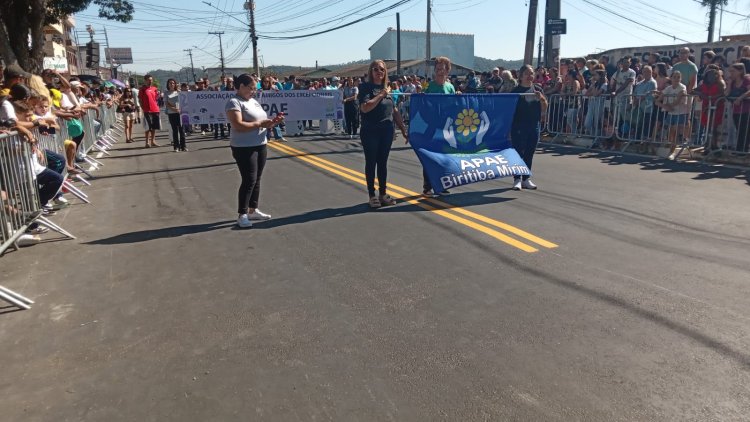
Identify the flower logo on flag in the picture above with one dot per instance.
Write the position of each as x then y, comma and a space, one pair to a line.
467, 122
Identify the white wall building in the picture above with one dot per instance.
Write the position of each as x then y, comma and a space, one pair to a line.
59, 43
458, 47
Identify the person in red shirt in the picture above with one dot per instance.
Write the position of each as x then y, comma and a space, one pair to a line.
148, 96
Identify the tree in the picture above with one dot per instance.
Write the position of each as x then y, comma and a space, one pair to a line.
22, 25
712, 5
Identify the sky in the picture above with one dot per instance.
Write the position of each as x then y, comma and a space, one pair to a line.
160, 31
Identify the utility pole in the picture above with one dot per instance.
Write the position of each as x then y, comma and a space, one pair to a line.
398, 44
551, 48
221, 50
250, 6
112, 69
528, 53
712, 19
192, 68
428, 35
539, 59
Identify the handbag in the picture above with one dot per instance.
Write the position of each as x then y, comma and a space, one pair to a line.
75, 128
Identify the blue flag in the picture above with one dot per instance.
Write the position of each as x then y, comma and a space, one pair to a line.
462, 139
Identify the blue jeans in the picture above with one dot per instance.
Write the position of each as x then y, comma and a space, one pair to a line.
376, 143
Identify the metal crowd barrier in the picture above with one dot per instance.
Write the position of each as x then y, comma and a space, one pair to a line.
19, 194
19, 201
20, 205
629, 121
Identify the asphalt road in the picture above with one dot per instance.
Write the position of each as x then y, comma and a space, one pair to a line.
617, 291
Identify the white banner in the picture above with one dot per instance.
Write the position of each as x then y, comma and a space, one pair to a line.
59, 64
207, 107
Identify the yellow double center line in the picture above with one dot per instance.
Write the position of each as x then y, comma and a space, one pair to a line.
438, 207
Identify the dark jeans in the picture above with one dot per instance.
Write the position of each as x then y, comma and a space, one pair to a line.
426, 185
524, 140
250, 161
352, 118
742, 123
49, 184
55, 161
376, 142
216, 128
178, 133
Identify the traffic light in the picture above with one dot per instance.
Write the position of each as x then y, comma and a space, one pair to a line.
92, 55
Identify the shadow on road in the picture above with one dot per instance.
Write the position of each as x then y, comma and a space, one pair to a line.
612, 158
164, 233
316, 215
455, 200
138, 173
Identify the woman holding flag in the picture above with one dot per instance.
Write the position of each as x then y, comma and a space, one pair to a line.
377, 131
440, 85
525, 131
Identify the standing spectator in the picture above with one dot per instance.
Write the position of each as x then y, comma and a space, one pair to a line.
248, 142
266, 85
622, 89
737, 91
711, 90
708, 56
134, 91
351, 111
472, 83
674, 101
687, 69
589, 72
541, 77
290, 83
172, 102
509, 83
643, 104
495, 82
570, 89
378, 117
148, 95
126, 108
525, 130
597, 88
609, 67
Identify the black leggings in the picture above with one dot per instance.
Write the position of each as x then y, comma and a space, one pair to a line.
178, 132
742, 123
376, 142
250, 161
352, 118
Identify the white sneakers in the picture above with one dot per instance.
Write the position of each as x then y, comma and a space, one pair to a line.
244, 220
259, 215
518, 184
528, 184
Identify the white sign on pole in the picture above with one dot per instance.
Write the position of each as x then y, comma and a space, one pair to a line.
59, 64
207, 107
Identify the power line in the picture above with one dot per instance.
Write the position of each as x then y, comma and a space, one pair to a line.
371, 15
674, 37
